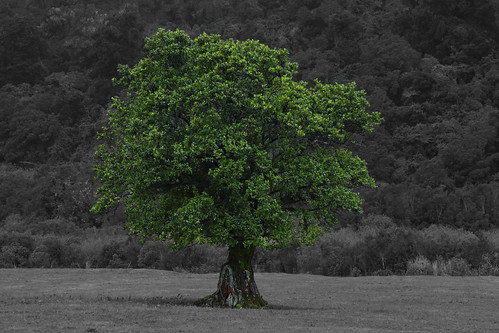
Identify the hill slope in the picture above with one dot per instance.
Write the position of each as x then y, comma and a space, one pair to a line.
430, 67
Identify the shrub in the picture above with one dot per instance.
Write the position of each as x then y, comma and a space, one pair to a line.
40, 258
376, 246
113, 251
380, 247
199, 258
355, 272
492, 238
8, 238
151, 254
91, 250
206, 258
63, 253
382, 272
446, 242
71, 254
445, 267
118, 262
263, 261
54, 249
15, 249
288, 260
419, 266
129, 250
112, 256
14, 255
390, 249
333, 254
489, 265
338, 258
109, 253
279, 260
456, 267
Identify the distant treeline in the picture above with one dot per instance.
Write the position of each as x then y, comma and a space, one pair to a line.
376, 246
430, 67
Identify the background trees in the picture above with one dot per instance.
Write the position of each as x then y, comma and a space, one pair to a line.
430, 70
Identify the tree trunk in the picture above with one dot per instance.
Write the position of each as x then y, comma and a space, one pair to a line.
236, 284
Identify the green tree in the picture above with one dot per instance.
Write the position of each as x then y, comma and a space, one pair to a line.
215, 143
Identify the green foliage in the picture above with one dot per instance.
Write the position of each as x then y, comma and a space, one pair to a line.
215, 143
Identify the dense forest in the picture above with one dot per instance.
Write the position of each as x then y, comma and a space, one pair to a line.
431, 67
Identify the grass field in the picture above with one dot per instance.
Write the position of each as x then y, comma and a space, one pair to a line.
105, 300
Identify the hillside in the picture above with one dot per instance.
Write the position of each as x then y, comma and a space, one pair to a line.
430, 67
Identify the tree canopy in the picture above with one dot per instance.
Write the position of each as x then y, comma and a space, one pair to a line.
215, 143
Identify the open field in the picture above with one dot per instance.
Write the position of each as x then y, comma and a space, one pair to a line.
105, 300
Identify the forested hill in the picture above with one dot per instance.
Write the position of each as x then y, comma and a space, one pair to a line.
431, 67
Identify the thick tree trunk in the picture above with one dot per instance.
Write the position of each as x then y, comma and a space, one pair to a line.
236, 284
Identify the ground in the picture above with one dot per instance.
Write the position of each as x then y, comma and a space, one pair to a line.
106, 300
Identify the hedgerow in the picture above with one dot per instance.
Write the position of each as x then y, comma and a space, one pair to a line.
376, 246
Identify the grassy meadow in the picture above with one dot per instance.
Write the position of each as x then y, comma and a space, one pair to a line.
126, 300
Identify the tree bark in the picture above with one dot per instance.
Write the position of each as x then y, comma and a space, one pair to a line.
236, 283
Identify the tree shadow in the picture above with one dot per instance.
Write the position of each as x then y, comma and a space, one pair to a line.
179, 300
282, 307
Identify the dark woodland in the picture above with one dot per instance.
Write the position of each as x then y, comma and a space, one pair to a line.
430, 67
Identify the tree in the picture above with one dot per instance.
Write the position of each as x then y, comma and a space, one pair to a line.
215, 143
21, 49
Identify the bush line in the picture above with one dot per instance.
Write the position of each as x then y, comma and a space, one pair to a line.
376, 246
